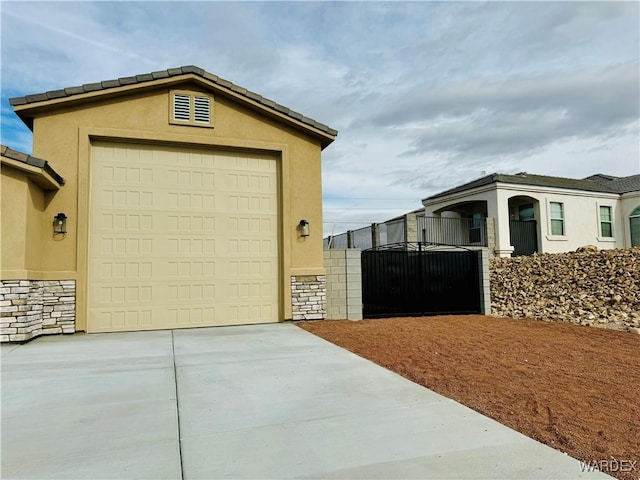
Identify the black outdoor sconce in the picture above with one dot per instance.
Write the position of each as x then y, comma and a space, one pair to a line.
303, 227
60, 224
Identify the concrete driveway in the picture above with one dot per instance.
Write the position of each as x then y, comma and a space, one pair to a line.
268, 401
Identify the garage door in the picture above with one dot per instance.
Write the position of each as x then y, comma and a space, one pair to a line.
181, 238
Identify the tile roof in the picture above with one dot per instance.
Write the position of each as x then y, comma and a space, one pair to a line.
171, 72
33, 161
524, 178
625, 184
600, 178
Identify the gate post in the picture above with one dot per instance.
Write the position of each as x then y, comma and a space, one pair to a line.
375, 236
410, 228
490, 224
484, 281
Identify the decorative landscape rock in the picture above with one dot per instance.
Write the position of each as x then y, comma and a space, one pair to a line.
586, 287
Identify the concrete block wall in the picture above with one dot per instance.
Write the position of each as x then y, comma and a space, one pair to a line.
30, 308
485, 279
344, 284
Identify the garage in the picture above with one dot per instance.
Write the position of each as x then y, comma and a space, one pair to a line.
181, 237
171, 199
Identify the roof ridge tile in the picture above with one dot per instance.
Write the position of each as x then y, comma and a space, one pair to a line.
92, 87
144, 77
127, 81
53, 94
192, 69
160, 74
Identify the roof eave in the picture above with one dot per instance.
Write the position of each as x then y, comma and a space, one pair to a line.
27, 108
42, 176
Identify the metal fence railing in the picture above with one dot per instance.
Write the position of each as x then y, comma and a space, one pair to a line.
466, 232
395, 231
523, 236
452, 231
362, 238
338, 241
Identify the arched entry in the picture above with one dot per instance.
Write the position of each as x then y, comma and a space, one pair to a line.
523, 224
461, 223
634, 227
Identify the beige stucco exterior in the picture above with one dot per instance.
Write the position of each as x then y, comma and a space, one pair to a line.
25, 191
63, 133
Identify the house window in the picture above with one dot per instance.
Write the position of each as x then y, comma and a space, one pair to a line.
557, 218
606, 223
634, 227
475, 229
526, 213
190, 108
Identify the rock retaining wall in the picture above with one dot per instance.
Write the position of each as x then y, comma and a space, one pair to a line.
587, 287
30, 308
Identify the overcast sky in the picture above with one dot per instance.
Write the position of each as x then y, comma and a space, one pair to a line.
425, 95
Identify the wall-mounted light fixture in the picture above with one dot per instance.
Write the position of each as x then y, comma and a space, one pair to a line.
303, 228
60, 224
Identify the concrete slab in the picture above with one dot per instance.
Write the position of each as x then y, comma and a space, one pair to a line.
5, 348
269, 401
90, 406
277, 402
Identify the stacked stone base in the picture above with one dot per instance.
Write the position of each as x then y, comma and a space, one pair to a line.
30, 308
308, 297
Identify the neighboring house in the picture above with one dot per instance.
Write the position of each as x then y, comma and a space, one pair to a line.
183, 205
526, 213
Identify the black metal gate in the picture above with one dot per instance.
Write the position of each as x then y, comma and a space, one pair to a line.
523, 236
406, 283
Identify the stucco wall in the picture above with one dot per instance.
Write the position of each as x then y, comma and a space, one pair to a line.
21, 219
13, 218
581, 211
35, 227
63, 137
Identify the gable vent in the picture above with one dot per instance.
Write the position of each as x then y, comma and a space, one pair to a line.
181, 107
202, 109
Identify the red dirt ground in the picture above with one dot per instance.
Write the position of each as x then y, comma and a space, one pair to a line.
576, 389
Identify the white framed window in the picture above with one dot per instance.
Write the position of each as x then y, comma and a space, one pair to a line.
556, 218
190, 108
606, 221
634, 227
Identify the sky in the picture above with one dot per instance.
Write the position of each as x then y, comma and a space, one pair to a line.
425, 95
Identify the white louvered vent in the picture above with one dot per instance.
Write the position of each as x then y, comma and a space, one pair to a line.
202, 109
181, 107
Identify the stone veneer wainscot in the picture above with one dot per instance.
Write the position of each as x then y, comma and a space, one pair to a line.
30, 308
308, 297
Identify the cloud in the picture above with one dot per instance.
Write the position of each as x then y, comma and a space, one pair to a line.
425, 95
516, 116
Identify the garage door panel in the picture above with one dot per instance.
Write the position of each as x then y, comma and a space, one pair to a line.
181, 238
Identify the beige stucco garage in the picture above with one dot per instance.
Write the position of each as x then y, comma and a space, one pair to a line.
184, 195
